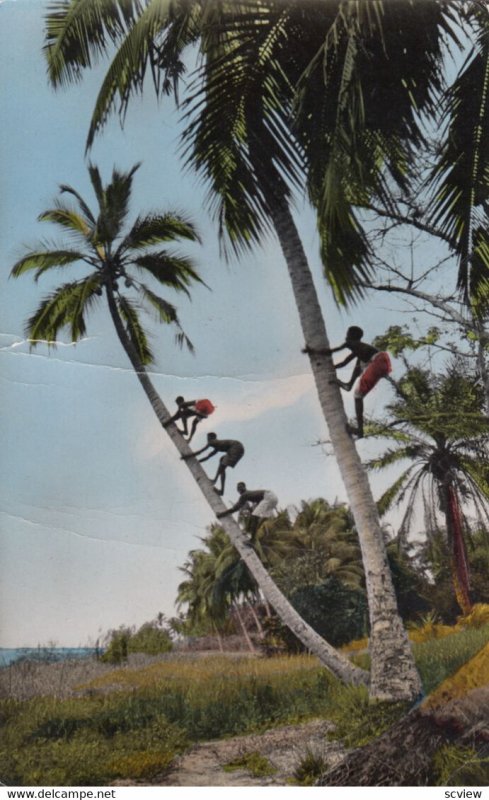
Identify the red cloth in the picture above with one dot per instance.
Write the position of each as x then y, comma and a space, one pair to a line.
204, 407
379, 367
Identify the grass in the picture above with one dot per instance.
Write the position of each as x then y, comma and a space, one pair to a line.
256, 764
310, 768
132, 722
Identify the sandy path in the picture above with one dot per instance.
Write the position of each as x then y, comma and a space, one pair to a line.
284, 747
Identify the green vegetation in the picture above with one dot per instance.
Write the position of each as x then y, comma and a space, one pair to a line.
440, 658
85, 741
309, 769
132, 722
254, 762
151, 638
445, 454
454, 765
357, 720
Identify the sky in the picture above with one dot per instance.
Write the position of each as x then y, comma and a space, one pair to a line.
97, 513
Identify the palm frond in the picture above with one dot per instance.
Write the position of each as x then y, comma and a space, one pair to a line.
97, 185
78, 32
358, 115
135, 330
166, 311
170, 270
42, 261
154, 228
114, 203
237, 135
69, 219
64, 308
182, 340
461, 176
393, 456
146, 47
65, 189
392, 493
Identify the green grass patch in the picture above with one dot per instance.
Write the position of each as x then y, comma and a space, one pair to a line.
440, 658
454, 765
84, 742
253, 762
310, 768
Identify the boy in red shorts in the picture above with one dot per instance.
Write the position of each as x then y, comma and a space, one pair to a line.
370, 367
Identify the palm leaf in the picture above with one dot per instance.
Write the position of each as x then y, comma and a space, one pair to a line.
44, 260
135, 330
114, 203
461, 177
64, 188
68, 218
153, 229
170, 270
166, 311
78, 32
145, 47
393, 492
66, 307
393, 456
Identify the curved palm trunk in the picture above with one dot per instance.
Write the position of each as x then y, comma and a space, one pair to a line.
329, 657
460, 567
393, 674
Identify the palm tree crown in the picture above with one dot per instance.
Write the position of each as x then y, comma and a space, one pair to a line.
437, 423
112, 257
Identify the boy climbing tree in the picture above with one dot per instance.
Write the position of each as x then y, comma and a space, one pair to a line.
199, 409
261, 501
233, 452
370, 367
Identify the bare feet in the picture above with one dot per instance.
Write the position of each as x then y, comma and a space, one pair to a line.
354, 431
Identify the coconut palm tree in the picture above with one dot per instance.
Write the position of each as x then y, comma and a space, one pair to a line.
366, 59
437, 424
110, 255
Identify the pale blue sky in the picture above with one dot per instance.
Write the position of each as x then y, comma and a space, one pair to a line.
97, 512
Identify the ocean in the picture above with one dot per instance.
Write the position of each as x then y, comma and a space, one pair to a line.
10, 654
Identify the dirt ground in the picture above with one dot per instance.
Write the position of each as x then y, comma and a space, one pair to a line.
203, 764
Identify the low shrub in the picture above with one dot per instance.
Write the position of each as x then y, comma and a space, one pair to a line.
309, 769
151, 639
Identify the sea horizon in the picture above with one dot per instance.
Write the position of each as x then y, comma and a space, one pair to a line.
8, 655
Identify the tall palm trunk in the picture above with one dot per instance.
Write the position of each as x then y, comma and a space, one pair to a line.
460, 566
219, 639
256, 618
393, 674
244, 629
329, 657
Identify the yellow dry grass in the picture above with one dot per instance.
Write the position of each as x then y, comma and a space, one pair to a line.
202, 671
